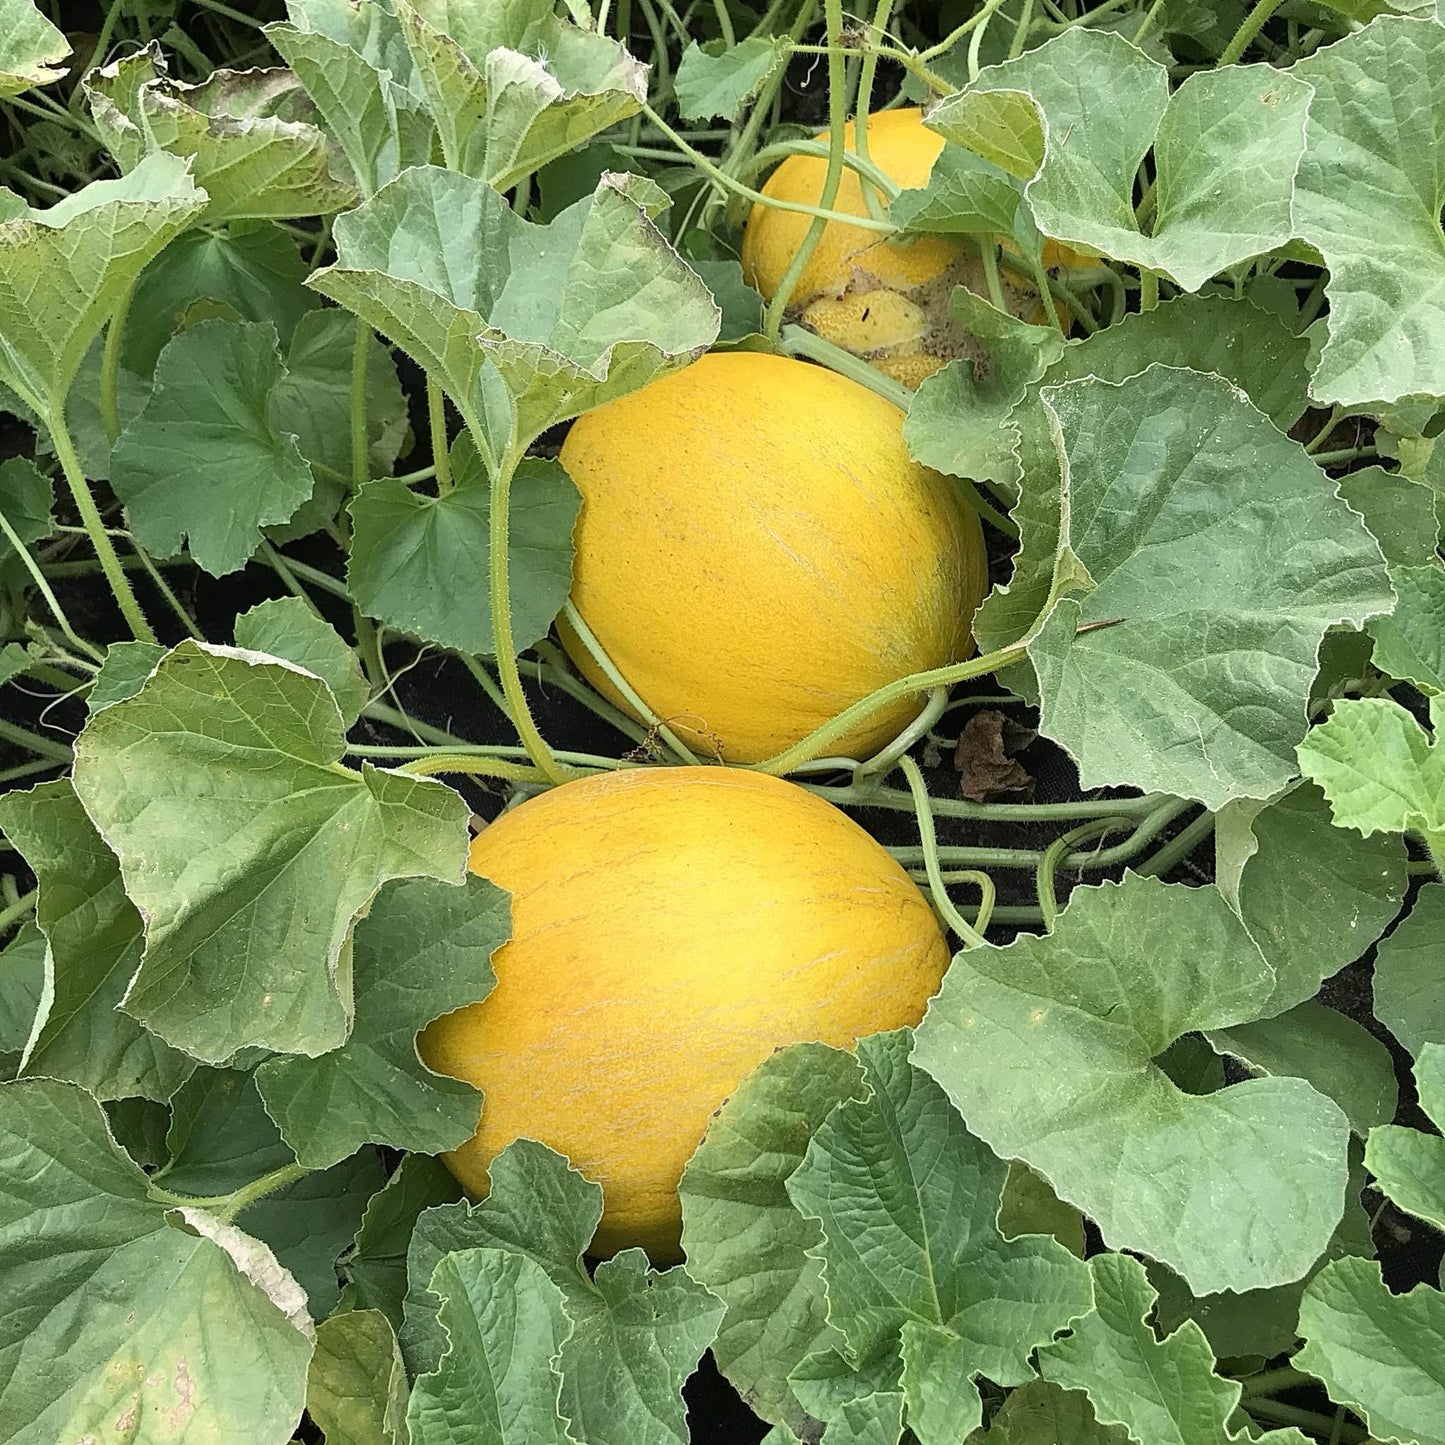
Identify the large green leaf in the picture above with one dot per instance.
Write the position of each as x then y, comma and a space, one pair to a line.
743, 1237
94, 933
511, 86
1314, 897
423, 950
1226, 147
1408, 1165
356, 1388
912, 1259
249, 849
1381, 771
116, 1316
1410, 973
498, 1382
1382, 1354
1235, 339
1048, 1048
204, 460
419, 563
1226, 553
637, 1333
253, 158
1163, 1391
32, 50
1369, 196
523, 325
64, 271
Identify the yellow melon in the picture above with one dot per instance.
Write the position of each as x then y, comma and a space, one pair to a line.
756, 552
671, 928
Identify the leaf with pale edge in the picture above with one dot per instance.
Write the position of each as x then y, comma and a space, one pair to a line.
1164, 1391
720, 80
249, 849
95, 941
22, 984
123, 673
1408, 1165
1227, 554
512, 86
1368, 196
912, 1260
252, 160
419, 563
423, 950
203, 460
742, 1235
637, 1333
287, 628
32, 50
117, 1315
1047, 1047
1380, 1353
1226, 147
523, 325
356, 1389
64, 271
1410, 973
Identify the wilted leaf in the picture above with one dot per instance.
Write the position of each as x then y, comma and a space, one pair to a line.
249, 849
1047, 1047
32, 50
356, 1389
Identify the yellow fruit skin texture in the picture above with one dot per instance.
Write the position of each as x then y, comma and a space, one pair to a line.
671, 928
756, 551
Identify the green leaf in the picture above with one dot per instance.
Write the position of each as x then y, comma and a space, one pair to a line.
1377, 130
1409, 976
356, 1389
353, 63
741, 306
376, 1269
254, 161
1227, 553
719, 81
94, 933
637, 1333
1339, 1057
1408, 1165
26, 499
204, 459
423, 950
1399, 512
1312, 896
249, 849
1226, 147
512, 86
1381, 771
310, 1221
1048, 1048
252, 268
220, 1136
498, 1382
32, 50
1040, 1413
1410, 641
287, 628
22, 985
556, 318
139, 1126
742, 1235
1207, 334
873, 1420
1029, 1206
64, 271
123, 673
1002, 126
1164, 1391
958, 420
118, 1315
907, 1201
419, 563
965, 194
1381, 1354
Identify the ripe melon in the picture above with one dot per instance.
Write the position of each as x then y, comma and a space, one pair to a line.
671, 928
757, 551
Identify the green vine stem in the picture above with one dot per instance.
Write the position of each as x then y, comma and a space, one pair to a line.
988, 894
360, 359
1061, 848
553, 666
887, 758
90, 518
47, 592
227, 1206
1178, 848
1252, 24
941, 901
14, 912
476, 766
1278, 1413
872, 198
436, 410
860, 794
